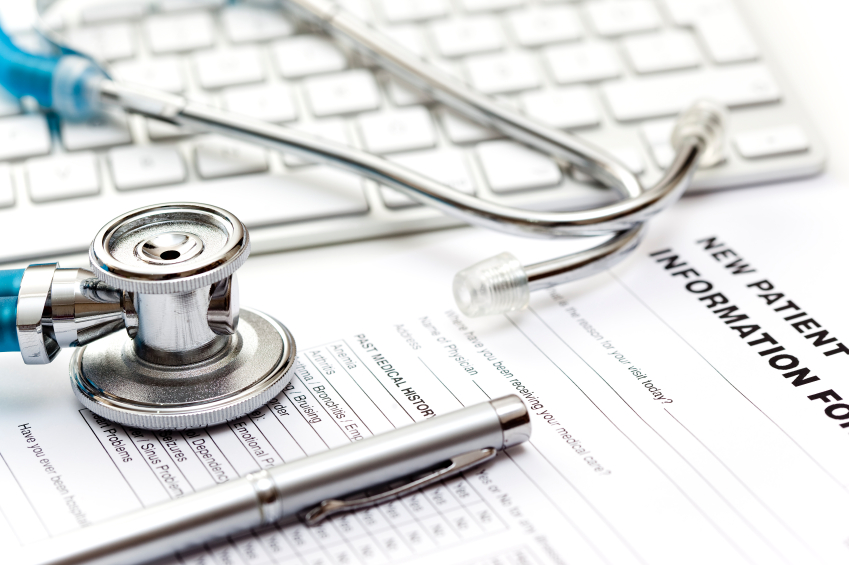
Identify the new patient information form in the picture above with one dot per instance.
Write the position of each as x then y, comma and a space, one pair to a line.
689, 406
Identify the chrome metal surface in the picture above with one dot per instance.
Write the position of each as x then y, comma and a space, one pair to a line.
222, 314
82, 308
274, 493
169, 248
131, 317
266, 494
173, 328
110, 378
456, 465
605, 255
638, 206
117, 257
38, 347
515, 420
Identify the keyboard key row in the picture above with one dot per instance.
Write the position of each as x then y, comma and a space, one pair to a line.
506, 165
668, 95
314, 193
237, 65
308, 55
62, 176
174, 33
401, 130
243, 23
535, 27
446, 166
410, 128
613, 18
720, 27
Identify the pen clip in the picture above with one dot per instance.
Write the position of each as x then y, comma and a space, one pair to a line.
457, 464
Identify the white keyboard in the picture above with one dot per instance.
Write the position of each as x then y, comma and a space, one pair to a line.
613, 71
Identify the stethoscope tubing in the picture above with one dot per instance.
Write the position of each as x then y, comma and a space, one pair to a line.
622, 220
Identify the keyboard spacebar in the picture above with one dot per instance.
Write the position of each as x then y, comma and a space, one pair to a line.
68, 227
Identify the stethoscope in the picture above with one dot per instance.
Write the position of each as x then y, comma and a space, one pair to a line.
154, 262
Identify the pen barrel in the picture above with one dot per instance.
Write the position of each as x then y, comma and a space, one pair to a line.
305, 483
288, 489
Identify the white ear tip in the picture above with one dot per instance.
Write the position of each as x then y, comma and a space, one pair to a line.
708, 120
494, 286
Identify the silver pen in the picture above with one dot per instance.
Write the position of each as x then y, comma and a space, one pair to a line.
311, 487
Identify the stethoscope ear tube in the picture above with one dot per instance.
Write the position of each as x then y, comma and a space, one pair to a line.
698, 138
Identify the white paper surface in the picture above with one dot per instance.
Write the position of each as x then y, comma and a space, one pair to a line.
660, 434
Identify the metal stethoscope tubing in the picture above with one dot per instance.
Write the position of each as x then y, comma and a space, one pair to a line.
698, 138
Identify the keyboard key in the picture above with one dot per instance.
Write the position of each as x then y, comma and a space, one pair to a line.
397, 11
720, 26
447, 166
244, 23
7, 191
62, 176
727, 38
662, 52
237, 65
9, 105
114, 11
460, 129
582, 63
689, 12
511, 166
173, 33
183, 5
221, 157
631, 158
663, 154
158, 130
101, 131
165, 73
144, 166
269, 102
333, 129
489, 5
107, 42
403, 94
358, 8
618, 17
658, 132
342, 93
307, 55
24, 136
408, 36
502, 73
665, 96
534, 27
772, 141
399, 130
572, 107
307, 194
476, 34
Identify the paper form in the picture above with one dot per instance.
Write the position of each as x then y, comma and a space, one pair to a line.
666, 426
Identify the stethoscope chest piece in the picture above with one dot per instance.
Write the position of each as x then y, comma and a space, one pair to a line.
194, 358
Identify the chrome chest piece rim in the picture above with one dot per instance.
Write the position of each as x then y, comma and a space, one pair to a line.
111, 381
202, 245
193, 358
